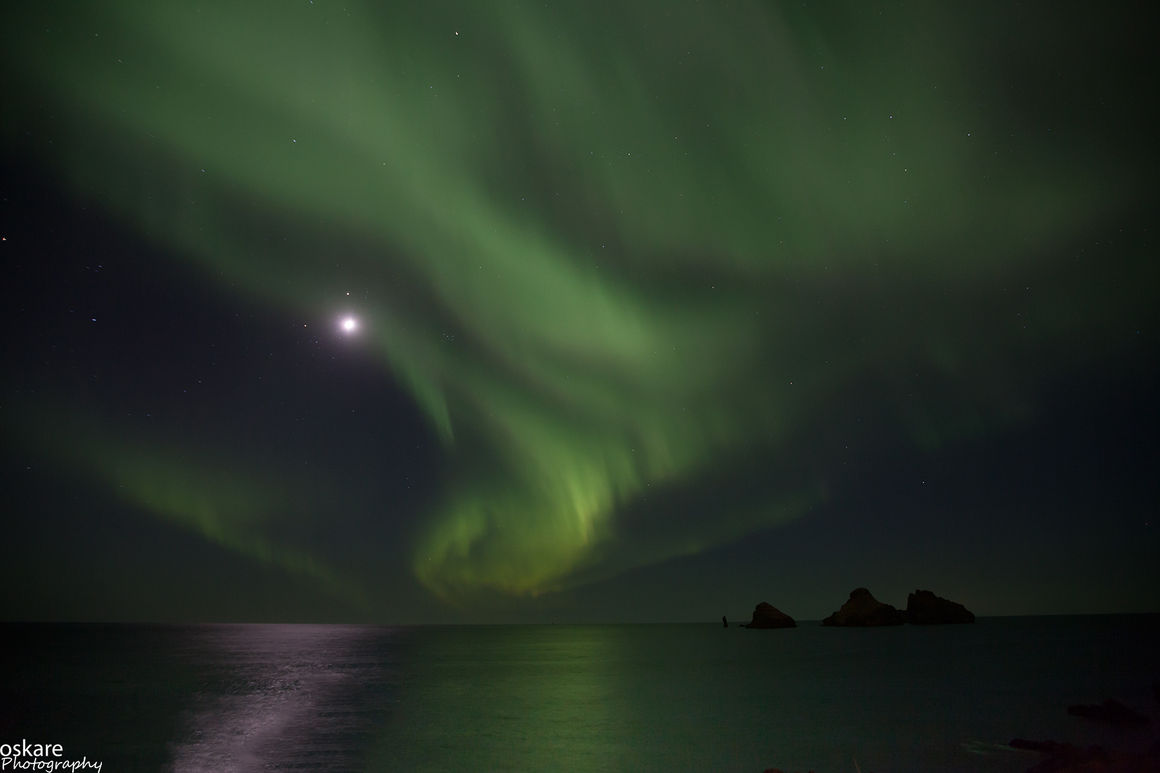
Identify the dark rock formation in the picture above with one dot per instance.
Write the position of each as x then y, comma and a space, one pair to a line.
724, 622
1067, 758
1111, 711
768, 616
862, 609
925, 608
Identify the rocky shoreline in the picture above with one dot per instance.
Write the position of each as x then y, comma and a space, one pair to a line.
1060, 757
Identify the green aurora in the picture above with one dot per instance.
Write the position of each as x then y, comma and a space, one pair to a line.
609, 249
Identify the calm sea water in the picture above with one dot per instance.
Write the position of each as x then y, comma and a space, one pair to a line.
579, 698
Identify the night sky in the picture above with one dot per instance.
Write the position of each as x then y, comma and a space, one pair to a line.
658, 309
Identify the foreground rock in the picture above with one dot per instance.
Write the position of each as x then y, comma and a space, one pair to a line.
1067, 758
862, 609
768, 616
925, 608
1110, 711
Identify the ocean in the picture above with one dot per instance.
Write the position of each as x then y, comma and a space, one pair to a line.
687, 697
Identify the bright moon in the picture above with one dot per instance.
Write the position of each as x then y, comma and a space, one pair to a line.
348, 325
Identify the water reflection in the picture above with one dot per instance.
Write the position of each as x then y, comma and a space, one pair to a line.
509, 698
277, 697
585, 698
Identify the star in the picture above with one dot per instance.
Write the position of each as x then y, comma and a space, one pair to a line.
348, 325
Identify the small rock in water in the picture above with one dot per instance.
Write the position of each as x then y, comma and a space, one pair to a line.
765, 615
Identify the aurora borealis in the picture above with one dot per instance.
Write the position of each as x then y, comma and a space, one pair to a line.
645, 293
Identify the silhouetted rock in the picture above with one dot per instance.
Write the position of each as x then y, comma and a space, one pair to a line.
1068, 758
768, 616
925, 608
1046, 747
1111, 711
862, 609
724, 622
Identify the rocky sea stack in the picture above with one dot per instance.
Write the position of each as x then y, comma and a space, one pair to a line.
768, 616
862, 609
925, 608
